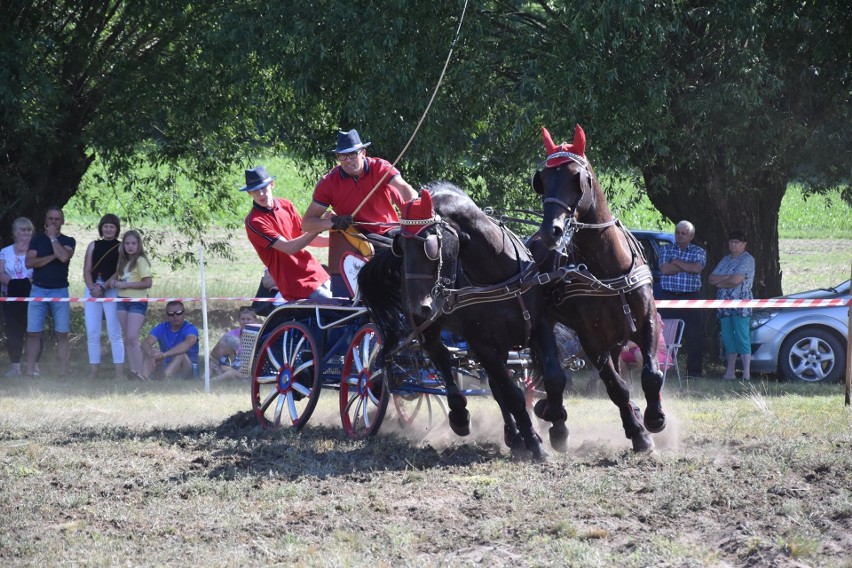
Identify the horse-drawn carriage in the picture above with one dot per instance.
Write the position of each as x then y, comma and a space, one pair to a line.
306, 347
454, 268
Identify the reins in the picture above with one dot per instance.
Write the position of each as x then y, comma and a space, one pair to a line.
425, 111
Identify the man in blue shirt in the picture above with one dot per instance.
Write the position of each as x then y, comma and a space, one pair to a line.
48, 256
176, 348
681, 265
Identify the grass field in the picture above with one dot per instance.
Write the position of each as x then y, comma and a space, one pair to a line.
105, 473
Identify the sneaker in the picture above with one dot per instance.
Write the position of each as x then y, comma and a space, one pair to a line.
12, 372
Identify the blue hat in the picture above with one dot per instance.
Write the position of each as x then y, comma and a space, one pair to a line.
349, 142
257, 178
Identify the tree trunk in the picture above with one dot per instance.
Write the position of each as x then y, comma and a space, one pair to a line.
42, 176
716, 207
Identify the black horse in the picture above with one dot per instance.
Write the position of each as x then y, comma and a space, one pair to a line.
452, 267
606, 292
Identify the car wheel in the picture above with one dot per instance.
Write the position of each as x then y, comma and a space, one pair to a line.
812, 355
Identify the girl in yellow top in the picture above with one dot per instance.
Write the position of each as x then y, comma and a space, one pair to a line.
132, 280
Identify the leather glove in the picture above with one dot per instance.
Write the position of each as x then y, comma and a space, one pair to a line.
341, 222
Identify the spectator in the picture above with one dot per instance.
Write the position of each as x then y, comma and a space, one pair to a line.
348, 187
681, 265
225, 358
734, 276
172, 347
48, 256
16, 280
132, 280
274, 229
99, 268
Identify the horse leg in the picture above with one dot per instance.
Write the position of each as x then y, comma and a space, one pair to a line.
652, 379
652, 386
551, 408
511, 435
459, 416
513, 400
631, 416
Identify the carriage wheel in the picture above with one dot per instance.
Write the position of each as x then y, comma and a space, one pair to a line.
286, 383
363, 392
420, 411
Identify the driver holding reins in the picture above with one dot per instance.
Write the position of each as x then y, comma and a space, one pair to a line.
364, 193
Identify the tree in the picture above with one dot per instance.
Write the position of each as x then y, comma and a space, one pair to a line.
719, 105
131, 82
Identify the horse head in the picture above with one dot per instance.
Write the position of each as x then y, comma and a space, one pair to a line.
429, 247
565, 186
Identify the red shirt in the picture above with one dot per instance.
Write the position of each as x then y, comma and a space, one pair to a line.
344, 193
296, 275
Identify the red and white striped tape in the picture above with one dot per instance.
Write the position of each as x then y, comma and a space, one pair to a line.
74, 300
768, 303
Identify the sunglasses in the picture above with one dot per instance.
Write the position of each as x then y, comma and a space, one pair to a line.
348, 157
172, 314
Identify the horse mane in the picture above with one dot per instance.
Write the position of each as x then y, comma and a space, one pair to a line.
379, 283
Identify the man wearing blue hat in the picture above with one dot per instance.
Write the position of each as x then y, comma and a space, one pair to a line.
363, 192
274, 229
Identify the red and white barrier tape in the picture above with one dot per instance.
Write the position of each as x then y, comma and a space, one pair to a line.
74, 300
768, 303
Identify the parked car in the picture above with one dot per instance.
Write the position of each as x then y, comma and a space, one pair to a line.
807, 344
651, 242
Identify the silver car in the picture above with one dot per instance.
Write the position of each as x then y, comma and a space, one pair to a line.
807, 344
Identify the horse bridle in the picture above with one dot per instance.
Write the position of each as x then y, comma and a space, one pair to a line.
586, 180
433, 248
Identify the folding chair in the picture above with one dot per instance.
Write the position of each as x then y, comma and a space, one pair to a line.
673, 334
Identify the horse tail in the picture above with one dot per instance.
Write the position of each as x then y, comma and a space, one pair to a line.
380, 285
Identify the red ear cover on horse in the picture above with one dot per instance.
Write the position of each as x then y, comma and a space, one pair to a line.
578, 147
417, 209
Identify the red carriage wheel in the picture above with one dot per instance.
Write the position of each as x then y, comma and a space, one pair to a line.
363, 392
285, 384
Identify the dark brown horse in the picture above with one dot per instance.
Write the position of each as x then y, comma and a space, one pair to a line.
605, 293
458, 270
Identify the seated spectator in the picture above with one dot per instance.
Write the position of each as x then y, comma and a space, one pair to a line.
225, 356
172, 347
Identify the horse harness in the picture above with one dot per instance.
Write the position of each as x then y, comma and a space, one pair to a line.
445, 292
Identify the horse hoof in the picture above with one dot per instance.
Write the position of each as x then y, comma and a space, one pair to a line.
460, 422
536, 448
546, 412
654, 422
512, 438
643, 442
559, 437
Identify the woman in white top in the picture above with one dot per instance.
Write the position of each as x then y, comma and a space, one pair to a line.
16, 281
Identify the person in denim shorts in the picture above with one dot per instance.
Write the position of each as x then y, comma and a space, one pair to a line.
132, 280
48, 256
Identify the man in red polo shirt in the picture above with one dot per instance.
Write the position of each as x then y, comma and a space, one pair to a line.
346, 188
274, 229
